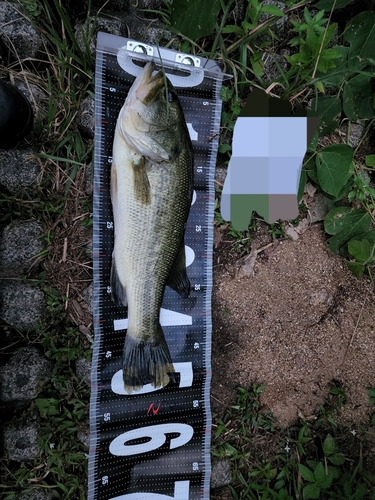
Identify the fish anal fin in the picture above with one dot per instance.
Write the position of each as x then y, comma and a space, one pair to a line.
141, 182
118, 292
178, 279
146, 363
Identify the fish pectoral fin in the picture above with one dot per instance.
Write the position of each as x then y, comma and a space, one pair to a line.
118, 291
141, 182
178, 279
146, 363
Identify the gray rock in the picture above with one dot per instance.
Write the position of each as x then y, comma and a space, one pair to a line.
86, 117
84, 437
83, 370
19, 36
319, 208
88, 294
280, 25
21, 440
356, 131
220, 474
20, 242
36, 494
21, 306
23, 376
89, 179
36, 96
272, 63
86, 32
18, 170
220, 174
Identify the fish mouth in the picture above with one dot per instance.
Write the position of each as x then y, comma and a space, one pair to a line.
149, 85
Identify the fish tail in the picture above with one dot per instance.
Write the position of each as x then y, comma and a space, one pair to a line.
146, 363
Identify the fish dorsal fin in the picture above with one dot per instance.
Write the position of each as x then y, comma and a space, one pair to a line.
178, 279
141, 182
118, 292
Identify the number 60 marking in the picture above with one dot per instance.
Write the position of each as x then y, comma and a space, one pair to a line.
157, 433
181, 492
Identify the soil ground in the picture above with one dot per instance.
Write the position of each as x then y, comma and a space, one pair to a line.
299, 323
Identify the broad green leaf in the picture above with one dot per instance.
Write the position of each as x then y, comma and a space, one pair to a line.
328, 108
306, 473
310, 167
329, 446
273, 10
302, 184
337, 459
370, 160
223, 148
311, 491
232, 28
319, 473
361, 250
360, 33
356, 268
358, 96
194, 18
335, 76
345, 223
47, 407
327, 4
333, 167
368, 235
323, 479
339, 218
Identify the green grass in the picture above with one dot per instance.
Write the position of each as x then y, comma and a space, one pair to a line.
314, 458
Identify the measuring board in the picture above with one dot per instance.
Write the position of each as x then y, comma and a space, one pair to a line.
154, 443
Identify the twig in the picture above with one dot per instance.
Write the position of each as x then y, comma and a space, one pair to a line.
355, 331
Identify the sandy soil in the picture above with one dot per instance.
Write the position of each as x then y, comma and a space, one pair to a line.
301, 321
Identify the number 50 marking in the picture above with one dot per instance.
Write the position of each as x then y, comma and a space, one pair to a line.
157, 433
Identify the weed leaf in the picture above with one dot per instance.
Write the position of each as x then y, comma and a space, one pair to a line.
370, 160
327, 4
195, 18
356, 268
311, 491
328, 108
357, 97
361, 250
345, 223
306, 473
360, 33
329, 446
333, 167
273, 10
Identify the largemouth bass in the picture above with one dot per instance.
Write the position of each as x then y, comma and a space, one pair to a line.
151, 193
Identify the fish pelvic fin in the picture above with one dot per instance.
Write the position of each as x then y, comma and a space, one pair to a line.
118, 291
178, 279
141, 182
146, 363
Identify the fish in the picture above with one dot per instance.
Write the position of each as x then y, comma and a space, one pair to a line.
151, 193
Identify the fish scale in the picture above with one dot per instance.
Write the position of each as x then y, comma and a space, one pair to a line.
153, 444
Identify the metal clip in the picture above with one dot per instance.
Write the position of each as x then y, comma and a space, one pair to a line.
188, 60
140, 47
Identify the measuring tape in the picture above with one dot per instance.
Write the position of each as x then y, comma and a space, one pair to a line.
154, 443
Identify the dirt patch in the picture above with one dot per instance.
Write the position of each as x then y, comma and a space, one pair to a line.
302, 321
